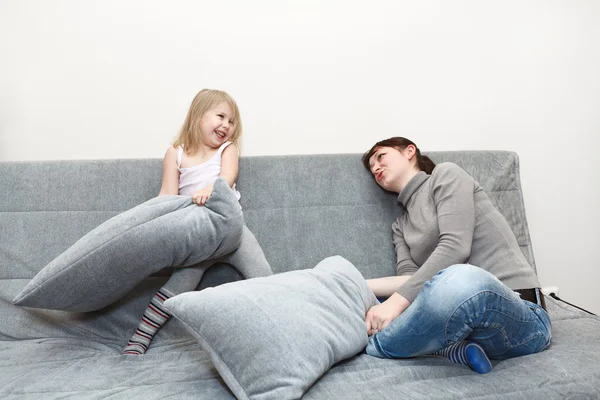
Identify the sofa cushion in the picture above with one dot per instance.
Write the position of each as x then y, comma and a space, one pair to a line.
117, 255
273, 337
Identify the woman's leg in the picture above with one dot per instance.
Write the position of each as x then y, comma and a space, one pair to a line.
465, 302
467, 353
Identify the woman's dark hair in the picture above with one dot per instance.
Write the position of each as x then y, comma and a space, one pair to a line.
400, 143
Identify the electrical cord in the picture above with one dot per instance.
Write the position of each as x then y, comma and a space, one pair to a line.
572, 305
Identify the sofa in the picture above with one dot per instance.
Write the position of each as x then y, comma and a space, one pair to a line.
302, 209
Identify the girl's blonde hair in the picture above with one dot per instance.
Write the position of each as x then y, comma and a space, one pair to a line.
205, 100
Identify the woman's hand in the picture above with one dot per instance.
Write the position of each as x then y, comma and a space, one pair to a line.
381, 315
200, 196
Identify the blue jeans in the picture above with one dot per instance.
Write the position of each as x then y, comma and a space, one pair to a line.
465, 302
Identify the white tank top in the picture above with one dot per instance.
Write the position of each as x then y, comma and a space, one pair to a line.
201, 175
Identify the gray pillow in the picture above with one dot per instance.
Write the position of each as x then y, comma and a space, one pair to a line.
117, 255
273, 337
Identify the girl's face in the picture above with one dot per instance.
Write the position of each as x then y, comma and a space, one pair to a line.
217, 125
389, 165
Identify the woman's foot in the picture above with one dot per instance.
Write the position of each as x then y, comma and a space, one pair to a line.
469, 354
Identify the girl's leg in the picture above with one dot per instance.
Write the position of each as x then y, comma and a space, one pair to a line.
155, 316
465, 302
248, 259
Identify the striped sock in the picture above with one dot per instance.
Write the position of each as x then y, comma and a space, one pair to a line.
153, 319
467, 353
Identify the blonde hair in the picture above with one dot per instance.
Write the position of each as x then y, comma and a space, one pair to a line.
205, 100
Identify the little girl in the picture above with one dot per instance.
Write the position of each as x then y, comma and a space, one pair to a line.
204, 150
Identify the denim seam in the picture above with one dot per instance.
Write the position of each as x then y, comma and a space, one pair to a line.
529, 339
379, 348
466, 300
539, 312
501, 330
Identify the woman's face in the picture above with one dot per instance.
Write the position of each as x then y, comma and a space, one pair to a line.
389, 165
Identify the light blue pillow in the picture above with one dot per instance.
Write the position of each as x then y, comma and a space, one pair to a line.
273, 337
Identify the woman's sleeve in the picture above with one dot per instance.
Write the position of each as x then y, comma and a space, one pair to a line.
452, 192
404, 262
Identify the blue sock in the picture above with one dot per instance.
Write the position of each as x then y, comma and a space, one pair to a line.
469, 354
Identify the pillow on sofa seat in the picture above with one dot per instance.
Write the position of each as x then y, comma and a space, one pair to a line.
273, 337
117, 255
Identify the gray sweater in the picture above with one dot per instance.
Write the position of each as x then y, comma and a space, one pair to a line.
450, 220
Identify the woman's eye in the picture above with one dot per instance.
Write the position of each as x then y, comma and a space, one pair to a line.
380, 155
231, 122
220, 116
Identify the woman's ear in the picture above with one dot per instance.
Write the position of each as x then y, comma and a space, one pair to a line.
410, 151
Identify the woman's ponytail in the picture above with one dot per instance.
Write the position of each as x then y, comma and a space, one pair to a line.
424, 163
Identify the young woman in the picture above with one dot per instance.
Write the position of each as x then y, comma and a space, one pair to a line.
464, 289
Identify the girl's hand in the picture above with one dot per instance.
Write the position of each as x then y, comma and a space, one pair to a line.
381, 315
202, 195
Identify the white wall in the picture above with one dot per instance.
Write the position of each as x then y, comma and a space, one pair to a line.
113, 79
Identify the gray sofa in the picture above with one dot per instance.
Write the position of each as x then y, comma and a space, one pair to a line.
302, 209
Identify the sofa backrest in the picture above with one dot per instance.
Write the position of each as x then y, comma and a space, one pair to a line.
301, 208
